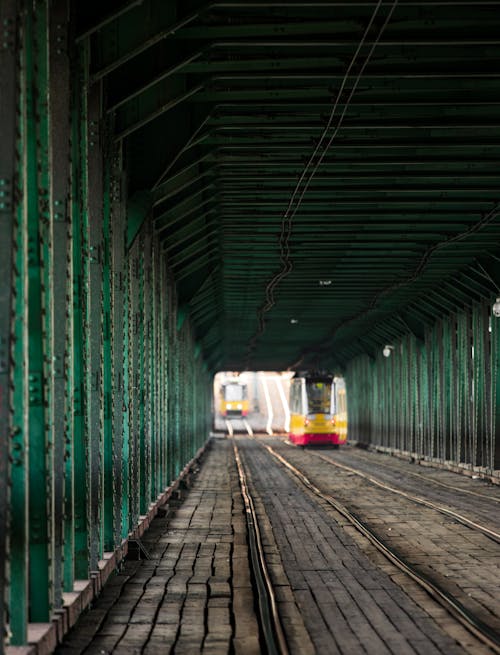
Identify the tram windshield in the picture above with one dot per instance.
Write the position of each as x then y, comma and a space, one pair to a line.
319, 396
234, 392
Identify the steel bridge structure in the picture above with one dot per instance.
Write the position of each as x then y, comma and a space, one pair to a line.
189, 186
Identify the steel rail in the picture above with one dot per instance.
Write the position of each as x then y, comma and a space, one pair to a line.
272, 630
248, 428
472, 623
437, 482
416, 499
230, 426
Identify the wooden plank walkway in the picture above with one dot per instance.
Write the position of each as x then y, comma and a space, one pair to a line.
461, 560
335, 593
194, 595
347, 594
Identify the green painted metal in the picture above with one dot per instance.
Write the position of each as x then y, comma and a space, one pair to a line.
225, 170
7, 258
34, 192
435, 398
93, 277
107, 366
18, 590
59, 284
119, 352
77, 435
141, 386
126, 439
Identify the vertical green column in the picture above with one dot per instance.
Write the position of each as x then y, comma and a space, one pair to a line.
430, 425
164, 385
169, 437
478, 394
488, 436
144, 245
57, 283
455, 436
19, 538
76, 448
418, 393
107, 355
39, 583
468, 400
183, 422
134, 383
440, 390
155, 356
93, 202
117, 226
125, 453
12, 435
495, 376
54, 478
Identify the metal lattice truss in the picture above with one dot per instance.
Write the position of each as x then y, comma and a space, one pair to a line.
321, 173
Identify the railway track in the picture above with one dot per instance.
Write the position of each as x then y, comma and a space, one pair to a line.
427, 479
468, 619
492, 534
272, 630
238, 425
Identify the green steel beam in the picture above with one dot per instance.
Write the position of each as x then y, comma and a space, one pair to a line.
59, 156
7, 306
76, 378
93, 271
35, 133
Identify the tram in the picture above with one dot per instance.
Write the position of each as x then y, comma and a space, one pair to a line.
233, 398
318, 410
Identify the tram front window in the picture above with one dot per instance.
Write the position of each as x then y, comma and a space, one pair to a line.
234, 392
319, 396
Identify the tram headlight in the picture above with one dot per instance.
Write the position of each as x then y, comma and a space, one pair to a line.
229, 406
239, 406
496, 308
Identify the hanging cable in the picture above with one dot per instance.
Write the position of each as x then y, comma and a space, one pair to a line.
424, 260
293, 207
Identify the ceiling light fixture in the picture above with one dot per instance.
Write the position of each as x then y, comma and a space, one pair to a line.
386, 352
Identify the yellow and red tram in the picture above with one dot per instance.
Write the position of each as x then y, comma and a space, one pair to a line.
233, 398
318, 410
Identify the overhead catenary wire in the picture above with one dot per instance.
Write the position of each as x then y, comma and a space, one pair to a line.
293, 205
420, 267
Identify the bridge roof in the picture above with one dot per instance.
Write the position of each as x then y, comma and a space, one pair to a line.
324, 175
